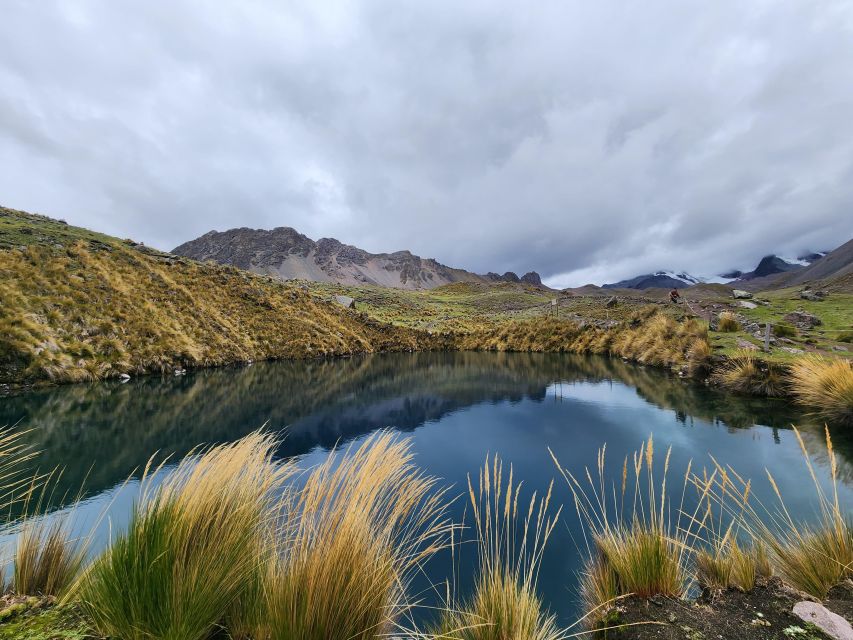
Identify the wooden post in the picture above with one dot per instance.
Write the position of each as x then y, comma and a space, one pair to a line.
767, 337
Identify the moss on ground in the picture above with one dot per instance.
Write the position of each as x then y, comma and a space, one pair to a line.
36, 619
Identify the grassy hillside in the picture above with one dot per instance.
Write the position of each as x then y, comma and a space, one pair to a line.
80, 306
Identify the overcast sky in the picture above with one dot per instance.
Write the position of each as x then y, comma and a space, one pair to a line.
589, 140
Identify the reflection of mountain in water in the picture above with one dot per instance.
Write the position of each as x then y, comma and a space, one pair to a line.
117, 427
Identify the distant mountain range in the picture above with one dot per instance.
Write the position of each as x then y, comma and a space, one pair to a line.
285, 253
769, 270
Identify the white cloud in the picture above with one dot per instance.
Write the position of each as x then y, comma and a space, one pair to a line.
588, 141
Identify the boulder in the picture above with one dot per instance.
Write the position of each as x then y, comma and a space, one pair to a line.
747, 305
814, 296
345, 301
802, 319
830, 623
740, 294
611, 302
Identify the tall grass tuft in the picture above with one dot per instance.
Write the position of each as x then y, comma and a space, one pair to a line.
46, 558
349, 544
813, 557
727, 322
744, 373
826, 385
510, 544
190, 550
634, 546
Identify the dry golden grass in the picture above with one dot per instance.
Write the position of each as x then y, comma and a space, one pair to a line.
47, 559
351, 539
92, 311
727, 323
744, 373
510, 543
635, 548
825, 385
813, 557
190, 551
728, 565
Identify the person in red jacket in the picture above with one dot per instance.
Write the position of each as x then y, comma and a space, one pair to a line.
674, 296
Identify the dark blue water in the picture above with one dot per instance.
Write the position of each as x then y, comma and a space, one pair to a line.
456, 408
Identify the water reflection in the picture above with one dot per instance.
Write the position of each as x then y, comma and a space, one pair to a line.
456, 407
117, 427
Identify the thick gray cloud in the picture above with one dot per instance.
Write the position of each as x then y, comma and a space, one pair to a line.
588, 140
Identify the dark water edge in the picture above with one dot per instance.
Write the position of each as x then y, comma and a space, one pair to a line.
456, 407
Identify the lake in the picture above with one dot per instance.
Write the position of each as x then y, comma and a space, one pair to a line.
456, 408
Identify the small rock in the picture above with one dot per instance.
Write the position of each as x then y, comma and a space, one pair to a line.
792, 350
612, 302
125, 377
830, 623
838, 347
739, 294
747, 305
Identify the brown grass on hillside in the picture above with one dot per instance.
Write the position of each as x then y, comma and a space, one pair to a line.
88, 312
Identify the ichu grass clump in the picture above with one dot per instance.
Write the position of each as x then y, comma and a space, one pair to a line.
190, 550
636, 549
744, 373
348, 544
510, 547
813, 557
826, 385
727, 322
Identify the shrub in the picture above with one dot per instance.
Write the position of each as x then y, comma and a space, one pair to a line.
190, 550
351, 540
825, 385
504, 603
727, 323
